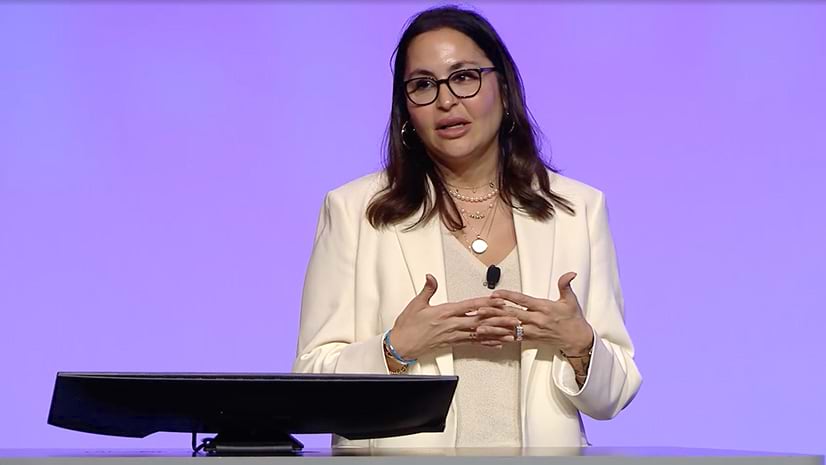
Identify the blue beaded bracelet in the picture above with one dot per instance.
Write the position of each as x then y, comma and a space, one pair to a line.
392, 351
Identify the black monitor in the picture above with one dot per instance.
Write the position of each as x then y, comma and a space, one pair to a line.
251, 413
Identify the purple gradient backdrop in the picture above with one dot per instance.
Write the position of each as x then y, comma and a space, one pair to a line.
162, 166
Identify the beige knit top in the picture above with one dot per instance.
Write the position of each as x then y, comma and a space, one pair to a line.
487, 397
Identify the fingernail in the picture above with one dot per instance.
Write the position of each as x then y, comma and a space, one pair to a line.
472, 313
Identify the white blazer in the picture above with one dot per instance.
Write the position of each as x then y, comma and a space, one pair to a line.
359, 279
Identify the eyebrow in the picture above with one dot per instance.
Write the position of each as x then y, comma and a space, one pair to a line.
453, 67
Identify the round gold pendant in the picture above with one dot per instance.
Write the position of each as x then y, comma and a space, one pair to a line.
479, 246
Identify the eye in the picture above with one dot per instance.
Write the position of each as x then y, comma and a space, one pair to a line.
421, 84
465, 75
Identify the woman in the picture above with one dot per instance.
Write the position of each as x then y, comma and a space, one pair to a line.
464, 188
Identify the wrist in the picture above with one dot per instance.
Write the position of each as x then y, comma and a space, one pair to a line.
392, 351
582, 344
401, 344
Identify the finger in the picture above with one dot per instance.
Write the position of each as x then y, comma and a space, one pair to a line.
463, 323
490, 332
430, 286
508, 310
488, 312
517, 298
492, 344
490, 340
473, 305
489, 344
499, 322
524, 316
564, 284
458, 337
485, 328
496, 340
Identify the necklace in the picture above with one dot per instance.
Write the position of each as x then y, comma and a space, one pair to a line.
471, 188
477, 215
479, 245
454, 192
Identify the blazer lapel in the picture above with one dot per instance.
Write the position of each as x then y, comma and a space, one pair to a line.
535, 244
423, 254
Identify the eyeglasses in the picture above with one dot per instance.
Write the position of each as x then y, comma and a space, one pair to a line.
464, 83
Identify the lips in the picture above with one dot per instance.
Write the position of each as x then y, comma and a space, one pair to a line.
451, 122
452, 128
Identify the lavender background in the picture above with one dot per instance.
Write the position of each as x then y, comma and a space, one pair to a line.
162, 166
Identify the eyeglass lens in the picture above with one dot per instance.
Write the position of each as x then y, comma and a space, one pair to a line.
463, 83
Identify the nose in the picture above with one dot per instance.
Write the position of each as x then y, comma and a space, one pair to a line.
446, 100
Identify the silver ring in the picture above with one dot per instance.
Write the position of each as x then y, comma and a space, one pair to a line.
520, 332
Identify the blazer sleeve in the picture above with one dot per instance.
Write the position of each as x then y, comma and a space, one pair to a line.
613, 379
327, 333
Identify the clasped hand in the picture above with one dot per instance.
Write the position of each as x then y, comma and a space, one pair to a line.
490, 321
556, 322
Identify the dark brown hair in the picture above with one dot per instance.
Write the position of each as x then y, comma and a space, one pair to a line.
408, 167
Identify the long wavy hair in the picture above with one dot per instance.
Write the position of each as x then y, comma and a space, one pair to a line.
408, 167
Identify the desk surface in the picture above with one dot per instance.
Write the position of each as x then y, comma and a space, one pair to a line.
454, 456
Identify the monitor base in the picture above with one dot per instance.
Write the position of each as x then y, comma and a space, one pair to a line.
259, 443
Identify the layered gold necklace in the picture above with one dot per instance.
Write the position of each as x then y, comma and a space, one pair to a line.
478, 245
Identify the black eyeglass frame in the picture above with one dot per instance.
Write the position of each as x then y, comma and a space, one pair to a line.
446, 81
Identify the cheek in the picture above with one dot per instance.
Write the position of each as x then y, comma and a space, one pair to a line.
418, 116
485, 107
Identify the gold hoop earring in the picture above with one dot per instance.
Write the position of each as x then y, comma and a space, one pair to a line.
513, 123
404, 132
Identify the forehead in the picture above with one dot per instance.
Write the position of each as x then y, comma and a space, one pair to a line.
436, 51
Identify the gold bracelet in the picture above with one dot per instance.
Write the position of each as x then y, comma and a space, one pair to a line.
387, 354
400, 371
588, 354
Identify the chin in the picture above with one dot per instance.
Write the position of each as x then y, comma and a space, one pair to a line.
455, 150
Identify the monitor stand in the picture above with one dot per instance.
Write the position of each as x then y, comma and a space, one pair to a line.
255, 443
